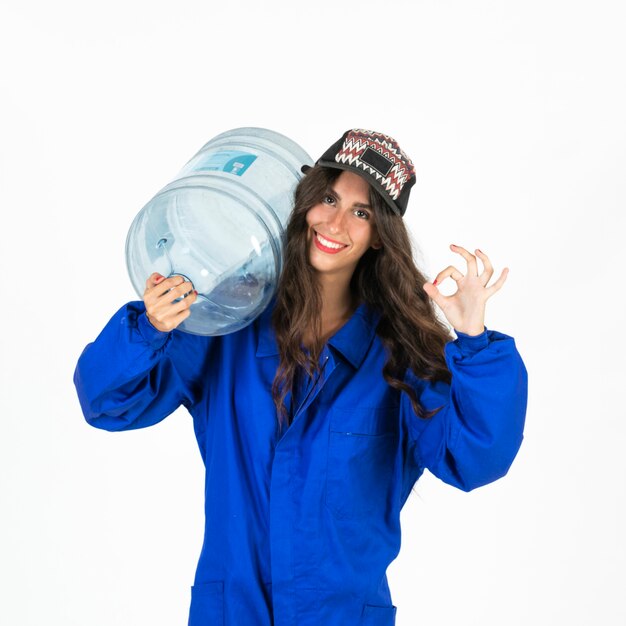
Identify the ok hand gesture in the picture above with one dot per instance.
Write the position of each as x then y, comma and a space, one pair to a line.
465, 309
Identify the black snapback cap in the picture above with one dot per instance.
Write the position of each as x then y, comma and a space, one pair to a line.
378, 159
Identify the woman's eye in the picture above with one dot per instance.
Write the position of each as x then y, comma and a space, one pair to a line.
362, 214
329, 199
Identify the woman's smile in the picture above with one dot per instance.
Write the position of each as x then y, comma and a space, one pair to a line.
328, 245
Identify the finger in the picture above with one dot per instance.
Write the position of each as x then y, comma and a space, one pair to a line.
162, 301
498, 284
472, 267
181, 291
167, 316
184, 303
450, 271
488, 267
154, 279
159, 280
159, 306
434, 294
181, 317
163, 287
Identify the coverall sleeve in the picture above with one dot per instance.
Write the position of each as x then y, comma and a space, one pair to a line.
474, 438
134, 375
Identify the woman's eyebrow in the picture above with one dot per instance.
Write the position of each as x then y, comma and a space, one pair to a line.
359, 205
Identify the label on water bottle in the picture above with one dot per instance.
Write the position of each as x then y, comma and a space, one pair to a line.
229, 161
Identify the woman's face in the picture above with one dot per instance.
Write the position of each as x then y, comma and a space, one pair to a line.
341, 227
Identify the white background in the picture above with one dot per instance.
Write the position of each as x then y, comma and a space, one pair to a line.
513, 113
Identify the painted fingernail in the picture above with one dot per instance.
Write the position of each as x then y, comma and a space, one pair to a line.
195, 292
435, 281
158, 279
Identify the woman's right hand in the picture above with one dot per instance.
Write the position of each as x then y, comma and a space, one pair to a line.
162, 312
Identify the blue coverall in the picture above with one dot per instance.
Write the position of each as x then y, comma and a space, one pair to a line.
302, 525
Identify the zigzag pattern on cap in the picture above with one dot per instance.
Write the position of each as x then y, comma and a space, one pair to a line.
358, 140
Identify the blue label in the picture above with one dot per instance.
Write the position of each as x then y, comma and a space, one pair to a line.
229, 161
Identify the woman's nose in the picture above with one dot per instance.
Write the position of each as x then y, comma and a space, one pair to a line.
335, 222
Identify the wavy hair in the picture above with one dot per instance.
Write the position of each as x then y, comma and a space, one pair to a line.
386, 279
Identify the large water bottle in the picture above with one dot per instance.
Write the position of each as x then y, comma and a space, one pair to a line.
220, 224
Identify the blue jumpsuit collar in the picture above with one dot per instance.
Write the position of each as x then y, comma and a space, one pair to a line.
352, 340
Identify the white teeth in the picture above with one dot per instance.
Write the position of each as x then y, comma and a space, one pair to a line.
329, 244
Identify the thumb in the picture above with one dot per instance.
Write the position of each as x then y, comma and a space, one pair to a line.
433, 292
154, 279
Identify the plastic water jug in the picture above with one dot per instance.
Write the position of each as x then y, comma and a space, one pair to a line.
220, 225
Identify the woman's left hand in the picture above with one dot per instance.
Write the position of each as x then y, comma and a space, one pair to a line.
465, 309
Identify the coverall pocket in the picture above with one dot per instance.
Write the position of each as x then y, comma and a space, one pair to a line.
359, 473
207, 604
379, 615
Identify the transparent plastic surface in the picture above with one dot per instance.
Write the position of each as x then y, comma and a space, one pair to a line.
220, 224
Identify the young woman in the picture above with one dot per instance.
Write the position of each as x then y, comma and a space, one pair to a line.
315, 421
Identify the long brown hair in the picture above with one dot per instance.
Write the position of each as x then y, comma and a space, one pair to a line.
386, 279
